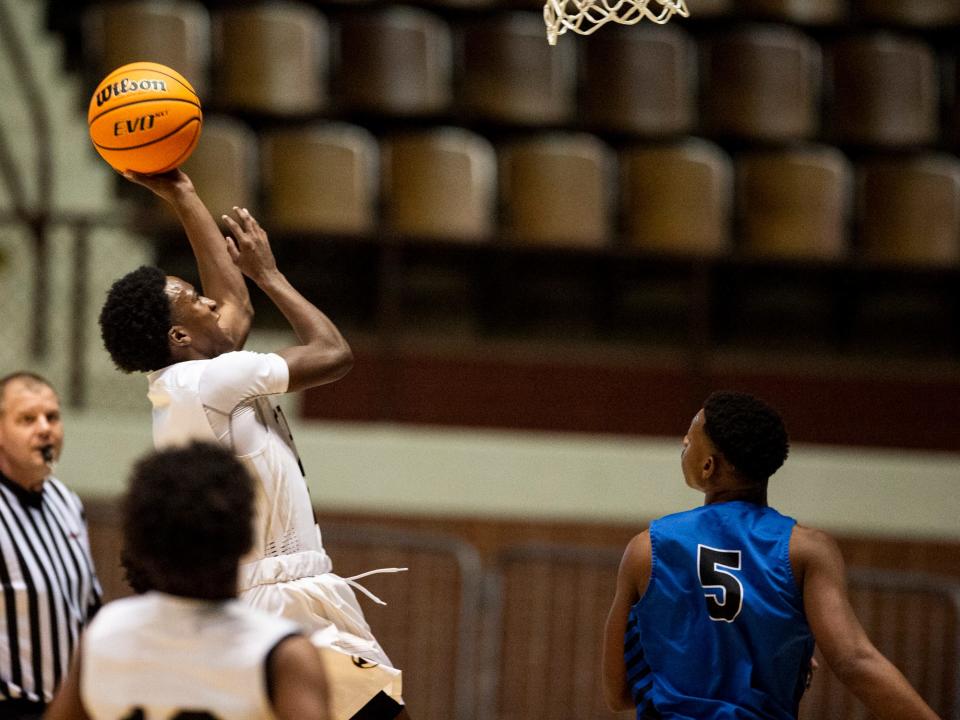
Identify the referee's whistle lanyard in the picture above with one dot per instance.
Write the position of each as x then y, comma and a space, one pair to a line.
352, 582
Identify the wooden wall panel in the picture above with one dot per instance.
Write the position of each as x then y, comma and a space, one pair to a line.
591, 394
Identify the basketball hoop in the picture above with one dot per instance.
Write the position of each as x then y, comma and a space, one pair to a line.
585, 16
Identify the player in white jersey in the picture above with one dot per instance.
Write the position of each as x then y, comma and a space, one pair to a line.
203, 387
187, 648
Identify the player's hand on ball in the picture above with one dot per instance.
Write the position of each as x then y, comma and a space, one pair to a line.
165, 185
249, 246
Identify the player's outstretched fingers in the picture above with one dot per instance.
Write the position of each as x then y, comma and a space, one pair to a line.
232, 249
239, 232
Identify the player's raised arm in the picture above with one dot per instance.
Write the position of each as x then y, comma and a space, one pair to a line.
66, 703
841, 637
220, 278
323, 355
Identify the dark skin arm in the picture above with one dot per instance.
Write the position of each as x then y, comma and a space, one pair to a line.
323, 355
632, 580
299, 683
819, 568
66, 703
220, 279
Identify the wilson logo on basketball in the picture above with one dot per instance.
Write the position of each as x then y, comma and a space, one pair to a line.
124, 86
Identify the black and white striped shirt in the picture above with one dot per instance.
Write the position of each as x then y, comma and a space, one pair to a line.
48, 587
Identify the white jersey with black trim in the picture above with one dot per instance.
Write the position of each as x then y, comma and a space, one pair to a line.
167, 655
225, 400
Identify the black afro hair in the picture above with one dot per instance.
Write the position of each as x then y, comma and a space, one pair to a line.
748, 432
187, 521
135, 319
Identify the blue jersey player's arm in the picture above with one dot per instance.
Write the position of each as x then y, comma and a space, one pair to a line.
818, 566
632, 579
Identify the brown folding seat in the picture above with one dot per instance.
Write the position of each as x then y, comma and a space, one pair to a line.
176, 34
762, 83
321, 178
224, 167
461, 4
952, 123
395, 61
714, 8
510, 74
916, 13
909, 210
677, 198
794, 203
271, 59
640, 80
806, 12
440, 184
885, 91
557, 189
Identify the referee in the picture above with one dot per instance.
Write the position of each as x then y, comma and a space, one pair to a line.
48, 587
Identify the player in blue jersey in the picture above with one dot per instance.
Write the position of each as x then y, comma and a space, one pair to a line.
717, 609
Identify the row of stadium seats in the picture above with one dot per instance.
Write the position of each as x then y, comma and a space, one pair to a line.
687, 197
755, 83
914, 14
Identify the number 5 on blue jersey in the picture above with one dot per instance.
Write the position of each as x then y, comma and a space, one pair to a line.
714, 570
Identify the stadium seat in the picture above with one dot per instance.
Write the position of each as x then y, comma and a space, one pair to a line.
271, 59
884, 91
677, 198
794, 203
640, 80
805, 12
510, 74
714, 8
909, 210
439, 184
916, 13
225, 166
176, 34
321, 178
225, 169
442, 5
395, 61
952, 123
556, 189
763, 84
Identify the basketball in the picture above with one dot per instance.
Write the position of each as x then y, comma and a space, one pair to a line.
144, 117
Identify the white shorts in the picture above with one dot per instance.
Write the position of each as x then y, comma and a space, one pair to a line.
301, 587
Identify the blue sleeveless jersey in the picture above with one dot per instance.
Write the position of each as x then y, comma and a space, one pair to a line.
720, 633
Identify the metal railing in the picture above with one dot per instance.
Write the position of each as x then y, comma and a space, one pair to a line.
425, 670
520, 635
544, 601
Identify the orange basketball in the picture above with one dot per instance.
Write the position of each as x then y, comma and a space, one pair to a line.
144, 117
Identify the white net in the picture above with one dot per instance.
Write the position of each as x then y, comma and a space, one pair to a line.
585, 16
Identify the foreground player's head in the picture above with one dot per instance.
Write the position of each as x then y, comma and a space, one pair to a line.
187, 521
734, 438
151, 320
